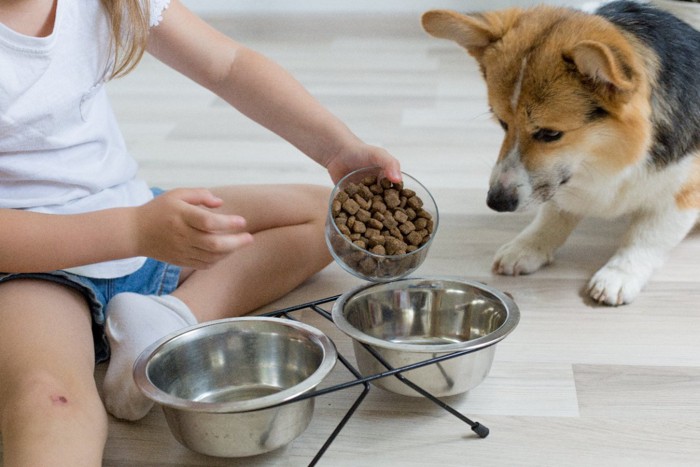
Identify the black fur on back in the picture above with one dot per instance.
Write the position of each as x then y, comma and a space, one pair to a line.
677, 94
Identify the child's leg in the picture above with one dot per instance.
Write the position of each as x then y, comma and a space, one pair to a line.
50, 410
287, 223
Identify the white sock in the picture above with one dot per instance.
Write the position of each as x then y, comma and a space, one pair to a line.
133, 323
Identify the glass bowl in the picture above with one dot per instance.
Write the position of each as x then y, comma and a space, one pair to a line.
408, 224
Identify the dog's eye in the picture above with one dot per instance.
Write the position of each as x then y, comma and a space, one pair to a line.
503, 124
546, 135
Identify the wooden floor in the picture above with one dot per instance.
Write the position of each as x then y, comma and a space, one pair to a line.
574, 385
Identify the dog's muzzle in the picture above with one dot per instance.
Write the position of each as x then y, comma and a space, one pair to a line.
502, 199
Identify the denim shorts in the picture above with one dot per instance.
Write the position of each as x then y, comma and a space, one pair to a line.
153, 278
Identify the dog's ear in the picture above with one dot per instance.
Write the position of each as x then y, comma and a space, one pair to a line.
474, 32
606, 68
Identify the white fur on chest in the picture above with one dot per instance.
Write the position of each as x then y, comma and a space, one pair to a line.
637, 188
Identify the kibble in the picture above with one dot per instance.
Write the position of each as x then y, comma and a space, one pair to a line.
383, 218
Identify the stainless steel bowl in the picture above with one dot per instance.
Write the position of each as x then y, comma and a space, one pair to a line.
363, 263
220, 383
413, 320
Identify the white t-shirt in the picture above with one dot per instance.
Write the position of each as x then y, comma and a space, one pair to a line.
61, 151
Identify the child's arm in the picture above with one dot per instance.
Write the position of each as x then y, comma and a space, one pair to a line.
263, 91
34, 242
176, 227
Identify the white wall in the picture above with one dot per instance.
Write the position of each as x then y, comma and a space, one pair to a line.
271, 6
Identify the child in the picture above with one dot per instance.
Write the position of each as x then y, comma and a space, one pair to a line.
83, 239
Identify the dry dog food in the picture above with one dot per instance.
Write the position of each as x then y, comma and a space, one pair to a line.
383, 218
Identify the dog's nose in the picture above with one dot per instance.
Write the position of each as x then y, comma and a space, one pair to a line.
502, 200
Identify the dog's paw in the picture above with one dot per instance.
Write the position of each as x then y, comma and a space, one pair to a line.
615, 286
518, 257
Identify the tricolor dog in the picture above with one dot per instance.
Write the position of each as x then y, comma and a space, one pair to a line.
601, 113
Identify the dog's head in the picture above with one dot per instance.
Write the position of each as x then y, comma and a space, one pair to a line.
569, 90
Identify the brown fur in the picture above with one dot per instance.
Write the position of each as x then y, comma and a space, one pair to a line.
601, 65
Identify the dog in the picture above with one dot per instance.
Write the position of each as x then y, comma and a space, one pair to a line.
601, 114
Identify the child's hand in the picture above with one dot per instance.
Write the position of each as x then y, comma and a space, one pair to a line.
363, 155
179, 227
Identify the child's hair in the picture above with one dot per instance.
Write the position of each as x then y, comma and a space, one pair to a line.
130, 22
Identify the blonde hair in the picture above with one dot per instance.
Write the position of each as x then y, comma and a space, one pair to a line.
129, 21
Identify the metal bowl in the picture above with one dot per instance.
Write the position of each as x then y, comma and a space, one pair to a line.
412, 320
363, 263
220, 383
